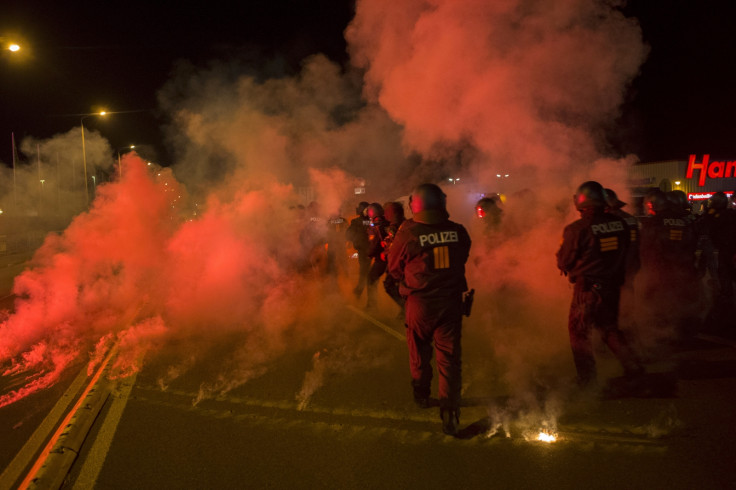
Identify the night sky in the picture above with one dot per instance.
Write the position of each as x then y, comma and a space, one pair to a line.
118, 55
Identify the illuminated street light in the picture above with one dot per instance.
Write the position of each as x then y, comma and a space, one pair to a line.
84, 152
120, 166
9, 45
454, 181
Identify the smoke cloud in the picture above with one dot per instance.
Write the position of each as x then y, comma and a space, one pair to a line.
47, 182
522, 93
208, 257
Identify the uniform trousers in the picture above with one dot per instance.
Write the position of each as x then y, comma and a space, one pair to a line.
438, 321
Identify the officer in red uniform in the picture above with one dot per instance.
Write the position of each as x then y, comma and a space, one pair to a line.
593, 256
394, 212
428, 257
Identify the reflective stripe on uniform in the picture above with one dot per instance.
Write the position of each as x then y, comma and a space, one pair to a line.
441, 257
609, 244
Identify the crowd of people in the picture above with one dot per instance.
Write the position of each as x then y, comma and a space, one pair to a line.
655, 262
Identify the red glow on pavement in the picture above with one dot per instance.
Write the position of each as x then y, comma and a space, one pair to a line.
135, 270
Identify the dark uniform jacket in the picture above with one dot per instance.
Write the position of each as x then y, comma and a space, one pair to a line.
377, 232
428, 259
357, 233
721, 228
668, 241
594, 248
633, 261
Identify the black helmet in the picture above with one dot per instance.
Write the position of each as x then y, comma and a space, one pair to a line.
427, 197
718, 201
486, 206
374, 210
612, 200
361, 207
655, 201
679, 200
590, 194
394, 211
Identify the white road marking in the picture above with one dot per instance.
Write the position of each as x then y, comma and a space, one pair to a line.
11, 474
377, 323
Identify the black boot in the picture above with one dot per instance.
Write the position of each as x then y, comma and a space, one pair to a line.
450, 420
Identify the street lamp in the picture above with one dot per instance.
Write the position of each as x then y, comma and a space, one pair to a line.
9, 45
454, 181
84, 153
120, 166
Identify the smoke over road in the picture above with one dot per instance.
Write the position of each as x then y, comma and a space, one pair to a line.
523, 91
437, 88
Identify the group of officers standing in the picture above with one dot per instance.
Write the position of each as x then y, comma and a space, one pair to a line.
423, 260
660, 259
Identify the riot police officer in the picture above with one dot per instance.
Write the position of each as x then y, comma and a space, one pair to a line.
428, 259
488, 211
377, 233
614, 206
668, 245
593, 255
720, 225
357, 233
394, 212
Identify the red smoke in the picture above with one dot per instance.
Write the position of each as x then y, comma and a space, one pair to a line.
528, 86
139, 269
527, 82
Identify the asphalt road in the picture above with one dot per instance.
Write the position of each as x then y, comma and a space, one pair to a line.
337, 413
361, 430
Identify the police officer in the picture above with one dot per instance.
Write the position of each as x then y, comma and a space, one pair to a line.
668, 246
394, 212
614, 206
720, 225
488, 211
377, 233
336, 249
593, 256
357, 233
680, 205
428, 259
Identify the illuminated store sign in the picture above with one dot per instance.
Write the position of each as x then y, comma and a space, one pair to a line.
702, 196
713, 170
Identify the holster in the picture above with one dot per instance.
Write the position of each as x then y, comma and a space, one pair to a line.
468, 301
